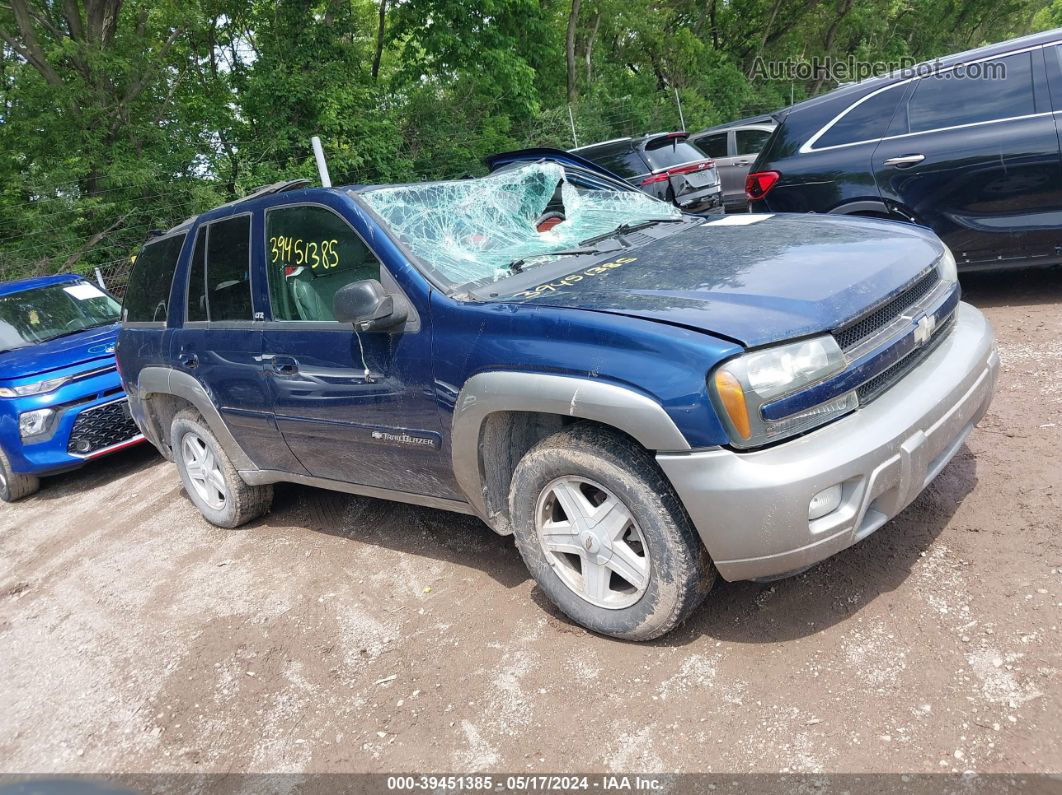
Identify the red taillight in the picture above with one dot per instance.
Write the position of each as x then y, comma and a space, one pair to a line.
688, 168
758, 184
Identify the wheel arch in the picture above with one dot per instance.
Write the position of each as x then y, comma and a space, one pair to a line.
500, 415
163, 391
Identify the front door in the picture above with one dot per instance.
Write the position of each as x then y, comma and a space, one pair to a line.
352, 406
975, 156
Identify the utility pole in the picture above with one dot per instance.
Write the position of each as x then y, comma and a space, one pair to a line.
322, 166
678, 101
571, 119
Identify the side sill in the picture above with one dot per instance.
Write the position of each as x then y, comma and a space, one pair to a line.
262, 477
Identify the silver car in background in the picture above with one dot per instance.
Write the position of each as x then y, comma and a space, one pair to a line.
734, 146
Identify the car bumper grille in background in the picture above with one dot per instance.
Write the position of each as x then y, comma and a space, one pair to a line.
855, 333
102, 427
880, 383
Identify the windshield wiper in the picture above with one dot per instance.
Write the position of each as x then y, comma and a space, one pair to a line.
79, 330
626, 228
517, 265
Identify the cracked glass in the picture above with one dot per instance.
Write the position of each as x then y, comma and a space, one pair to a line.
473, 230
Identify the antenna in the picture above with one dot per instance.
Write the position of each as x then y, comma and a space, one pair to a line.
322, 166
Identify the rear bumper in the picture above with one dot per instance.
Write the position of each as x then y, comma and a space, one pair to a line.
751, 509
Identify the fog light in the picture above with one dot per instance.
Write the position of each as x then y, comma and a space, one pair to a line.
34, 423
826, 501
83, 445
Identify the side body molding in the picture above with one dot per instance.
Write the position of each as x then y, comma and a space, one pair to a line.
486, 393
167, 381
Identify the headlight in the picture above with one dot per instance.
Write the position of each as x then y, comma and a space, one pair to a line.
32, 389
34, 423
946, 265
741, 387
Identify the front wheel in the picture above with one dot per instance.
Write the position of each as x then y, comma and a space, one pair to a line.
210, 479
605, 536
15, 485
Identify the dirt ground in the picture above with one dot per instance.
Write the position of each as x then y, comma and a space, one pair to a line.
349, 634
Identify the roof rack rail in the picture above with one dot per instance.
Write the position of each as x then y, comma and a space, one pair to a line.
265, 190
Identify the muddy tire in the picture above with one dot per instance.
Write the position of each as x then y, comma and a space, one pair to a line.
210, 480
605, 536
14, 485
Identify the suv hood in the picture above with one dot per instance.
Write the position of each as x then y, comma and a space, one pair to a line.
756, 279
91, 346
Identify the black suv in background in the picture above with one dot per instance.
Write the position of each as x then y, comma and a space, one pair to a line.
664, 165
967, 146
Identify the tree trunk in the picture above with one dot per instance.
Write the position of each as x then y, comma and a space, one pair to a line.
573, 19
590, 47
827, 42
380, 31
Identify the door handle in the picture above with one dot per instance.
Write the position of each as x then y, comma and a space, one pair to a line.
284, 365
904, 161
189, 360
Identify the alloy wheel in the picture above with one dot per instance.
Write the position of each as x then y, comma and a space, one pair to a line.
203, 471
592, 542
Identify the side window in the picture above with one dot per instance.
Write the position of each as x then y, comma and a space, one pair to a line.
148, 290
228, 260
713, 145
310, 253
750, 142
998, 89
197, 300
867, 121
624, 163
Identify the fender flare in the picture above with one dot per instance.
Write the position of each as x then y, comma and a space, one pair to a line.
167, 381
486, 393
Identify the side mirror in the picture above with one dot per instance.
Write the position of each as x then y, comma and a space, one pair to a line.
368, 306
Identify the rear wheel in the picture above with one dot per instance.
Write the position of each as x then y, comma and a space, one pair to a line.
15, 485
212, 482
605, 536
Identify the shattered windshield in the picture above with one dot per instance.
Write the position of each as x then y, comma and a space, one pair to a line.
479, 230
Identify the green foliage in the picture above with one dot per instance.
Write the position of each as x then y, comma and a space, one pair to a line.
120, 116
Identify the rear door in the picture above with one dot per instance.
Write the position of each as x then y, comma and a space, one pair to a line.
220, 343
719, 147
973, 153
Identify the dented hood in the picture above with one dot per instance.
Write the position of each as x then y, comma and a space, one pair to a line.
753, 279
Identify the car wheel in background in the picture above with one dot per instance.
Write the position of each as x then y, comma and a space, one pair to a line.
605, 536
15, 485
212, 482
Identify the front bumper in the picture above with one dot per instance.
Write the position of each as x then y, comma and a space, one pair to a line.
90, 421
751, 509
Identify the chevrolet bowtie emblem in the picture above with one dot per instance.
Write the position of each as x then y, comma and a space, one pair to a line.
924, 329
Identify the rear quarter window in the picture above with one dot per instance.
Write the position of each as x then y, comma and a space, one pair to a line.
866, 121
148, 291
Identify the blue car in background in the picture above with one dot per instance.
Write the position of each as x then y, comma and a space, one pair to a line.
61, 399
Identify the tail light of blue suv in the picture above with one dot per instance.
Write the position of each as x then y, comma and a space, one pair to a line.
759, 183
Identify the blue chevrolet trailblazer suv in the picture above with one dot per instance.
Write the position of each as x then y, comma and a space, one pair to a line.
644, 399
61, 401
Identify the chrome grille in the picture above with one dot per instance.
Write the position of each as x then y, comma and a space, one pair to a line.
855, 333
880, 383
